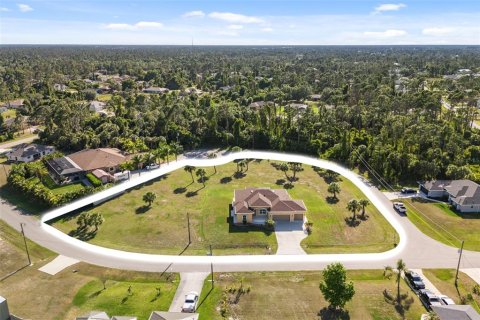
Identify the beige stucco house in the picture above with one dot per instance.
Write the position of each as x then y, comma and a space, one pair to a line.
256, 205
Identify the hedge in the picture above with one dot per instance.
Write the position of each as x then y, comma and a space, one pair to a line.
94, 180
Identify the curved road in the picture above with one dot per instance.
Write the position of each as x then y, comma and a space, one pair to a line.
418, 250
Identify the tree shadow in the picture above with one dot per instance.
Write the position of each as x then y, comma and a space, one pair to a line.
352, 222
331, 200
226, 180
180, 190
142, 209
190, 194
333, 314
239, 175
205, 298
95, 294
125, 299
363, 217
401, 303
280, 182
288, 185
205, 179
82, 234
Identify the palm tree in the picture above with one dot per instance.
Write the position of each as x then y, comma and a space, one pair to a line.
212, 155
190, 169
149, 197
400, 269
149, 158
334, 188
353, 206
295, 167
242, 164
176, 149
201, 174
284, 167
96, 219
137, 161
363, 203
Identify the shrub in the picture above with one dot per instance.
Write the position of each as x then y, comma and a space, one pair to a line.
94, 180
270, 224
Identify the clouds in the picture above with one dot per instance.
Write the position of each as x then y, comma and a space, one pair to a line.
24, 7
235, 17
3, 9
390, 33
142, 25
388, 7
193, 14
235, 27
437, 31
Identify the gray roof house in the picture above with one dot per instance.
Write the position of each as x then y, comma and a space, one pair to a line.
164, 315
94, 315
464, 194
456, 312
155, 90
29, 152
97, 106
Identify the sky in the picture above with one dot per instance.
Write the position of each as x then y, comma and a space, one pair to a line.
240, 22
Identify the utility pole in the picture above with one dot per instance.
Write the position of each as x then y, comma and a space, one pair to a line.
458, 266
188, 225
25, 241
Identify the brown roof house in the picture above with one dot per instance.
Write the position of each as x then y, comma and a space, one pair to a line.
256, 205
73, 167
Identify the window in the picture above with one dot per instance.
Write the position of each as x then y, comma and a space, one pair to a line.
262, 211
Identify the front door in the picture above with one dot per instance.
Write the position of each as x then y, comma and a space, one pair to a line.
244, 219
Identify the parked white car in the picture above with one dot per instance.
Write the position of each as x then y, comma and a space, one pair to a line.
153, 166
191, 301
400, 207
446, 300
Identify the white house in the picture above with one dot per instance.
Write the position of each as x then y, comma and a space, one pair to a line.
29, 152
97, 106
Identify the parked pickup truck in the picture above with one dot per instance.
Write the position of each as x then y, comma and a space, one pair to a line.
399, 207
429, 299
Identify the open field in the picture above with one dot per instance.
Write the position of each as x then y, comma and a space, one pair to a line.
444, 280
70, 293
438, 221
130, 225
296, 295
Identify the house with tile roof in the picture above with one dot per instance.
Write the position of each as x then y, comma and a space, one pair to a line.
464, 194
257, 205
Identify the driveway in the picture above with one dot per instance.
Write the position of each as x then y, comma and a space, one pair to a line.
428, 284
289, 235
189, 281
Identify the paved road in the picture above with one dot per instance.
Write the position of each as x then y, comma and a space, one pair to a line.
417, 250
450, 107
9, 145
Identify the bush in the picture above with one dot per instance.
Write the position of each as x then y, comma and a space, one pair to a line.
94, 180
270, 224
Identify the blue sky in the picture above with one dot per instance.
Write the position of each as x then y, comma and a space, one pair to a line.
230, 22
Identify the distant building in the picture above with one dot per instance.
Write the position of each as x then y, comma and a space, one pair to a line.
258, 105
14, 104
315, 97
298, 106
164, 315
456, 312
97, 106
29, 152
94, 315
464, 195
59, 87
155, 90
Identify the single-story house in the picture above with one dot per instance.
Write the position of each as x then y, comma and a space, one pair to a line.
464, 195
256, 205
29, 152
97, 106
102, 176
259, 104
298, 106
123, 318
74, 166
164, 315
156, 90
315, 97
14, 104
94, 315
456, 312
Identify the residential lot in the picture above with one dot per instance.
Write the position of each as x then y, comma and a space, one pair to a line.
444, 280
438, 221
296, 295
33, 294
162, 228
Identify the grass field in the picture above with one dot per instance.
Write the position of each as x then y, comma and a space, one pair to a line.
296, 295
129, 225
104, 97
438, 221
444, 280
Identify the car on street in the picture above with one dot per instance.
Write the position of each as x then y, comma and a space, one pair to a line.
416, 282
191, 301
429, 299
408, 191
400, 207
446, 300
153, 166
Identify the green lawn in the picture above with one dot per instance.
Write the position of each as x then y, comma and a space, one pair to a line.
439, 222
10, 113
129, 225
444, 280
296, 295
59, 189
104, 97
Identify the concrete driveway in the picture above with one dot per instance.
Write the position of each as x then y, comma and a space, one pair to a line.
189, 281
289, 235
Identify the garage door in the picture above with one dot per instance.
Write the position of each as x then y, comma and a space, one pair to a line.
298, 217
281, 217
